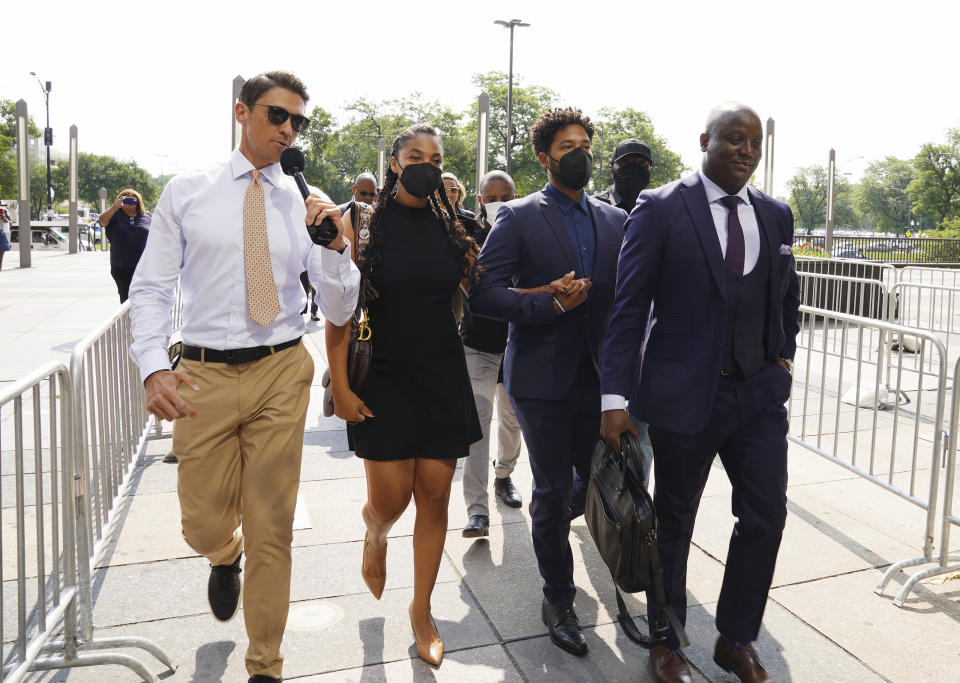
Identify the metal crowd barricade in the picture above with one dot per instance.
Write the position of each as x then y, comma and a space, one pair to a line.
43, 519
859, 268
111, 426
930, 275
852, 415
935, 308
947, 562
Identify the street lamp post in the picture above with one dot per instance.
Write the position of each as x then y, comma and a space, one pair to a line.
513, 23
47, 135
831, 181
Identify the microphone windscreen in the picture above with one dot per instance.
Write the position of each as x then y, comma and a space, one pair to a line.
292, 160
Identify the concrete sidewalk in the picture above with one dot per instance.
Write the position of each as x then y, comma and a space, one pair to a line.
823, 622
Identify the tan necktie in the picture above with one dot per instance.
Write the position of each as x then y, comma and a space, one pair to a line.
262, 302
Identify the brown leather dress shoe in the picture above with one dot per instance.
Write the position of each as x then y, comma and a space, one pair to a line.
669, 666
743, 663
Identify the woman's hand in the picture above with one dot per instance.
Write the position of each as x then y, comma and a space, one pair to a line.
350, 407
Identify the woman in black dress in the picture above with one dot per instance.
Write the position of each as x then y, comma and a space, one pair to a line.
415, 414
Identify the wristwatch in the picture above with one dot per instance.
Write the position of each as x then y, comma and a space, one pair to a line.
786, 363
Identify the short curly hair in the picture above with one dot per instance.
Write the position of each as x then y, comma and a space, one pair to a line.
545, 129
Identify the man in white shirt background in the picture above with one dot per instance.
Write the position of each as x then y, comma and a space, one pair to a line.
235, 237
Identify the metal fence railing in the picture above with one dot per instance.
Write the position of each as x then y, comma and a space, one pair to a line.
112, 424
946, 562
930, 307
930, 276
888, 249
75, 433
850, 405
36, 416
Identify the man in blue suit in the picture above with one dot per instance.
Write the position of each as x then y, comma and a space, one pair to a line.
709, 368
551, 365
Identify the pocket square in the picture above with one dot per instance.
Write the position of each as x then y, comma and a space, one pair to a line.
785, 250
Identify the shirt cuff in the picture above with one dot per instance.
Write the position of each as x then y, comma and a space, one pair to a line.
152, 361
334, 262
612, 402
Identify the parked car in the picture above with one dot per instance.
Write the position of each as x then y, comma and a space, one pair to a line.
847, 252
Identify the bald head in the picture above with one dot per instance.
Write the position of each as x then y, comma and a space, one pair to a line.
732, 145
365, 188
724, 112
501, 176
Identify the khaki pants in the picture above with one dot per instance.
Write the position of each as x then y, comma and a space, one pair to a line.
240, 463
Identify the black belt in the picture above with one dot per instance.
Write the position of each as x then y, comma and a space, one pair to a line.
235, 356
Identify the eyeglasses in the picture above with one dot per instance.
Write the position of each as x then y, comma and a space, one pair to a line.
278, 116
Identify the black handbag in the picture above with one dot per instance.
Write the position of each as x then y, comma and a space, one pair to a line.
359, 355
623, 524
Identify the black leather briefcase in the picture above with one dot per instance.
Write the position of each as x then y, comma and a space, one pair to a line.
623, 523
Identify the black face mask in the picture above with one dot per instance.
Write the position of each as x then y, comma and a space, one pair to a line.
574, 168
631, 179
420, 179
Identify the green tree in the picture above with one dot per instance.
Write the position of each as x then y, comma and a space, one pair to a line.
935, 188
808, 199
883, 199
95, 171
352, 148
38, 187
614, 125
8, 140
528, 103
318, 143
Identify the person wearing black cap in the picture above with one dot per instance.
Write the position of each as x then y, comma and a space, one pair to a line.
630, 170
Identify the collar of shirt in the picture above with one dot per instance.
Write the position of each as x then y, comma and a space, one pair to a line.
746, 214
715, 192
241, 166
564, 203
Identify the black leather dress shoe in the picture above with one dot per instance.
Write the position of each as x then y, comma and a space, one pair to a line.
564, 626
479, 525
260, 678
507, 492
223, 589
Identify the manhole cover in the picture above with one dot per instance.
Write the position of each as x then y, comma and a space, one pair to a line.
314, 617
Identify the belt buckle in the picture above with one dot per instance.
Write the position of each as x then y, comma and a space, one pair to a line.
231, 357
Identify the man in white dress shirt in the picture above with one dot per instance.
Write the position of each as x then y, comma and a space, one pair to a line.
235, 236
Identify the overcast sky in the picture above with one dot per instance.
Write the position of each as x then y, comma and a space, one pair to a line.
142, 79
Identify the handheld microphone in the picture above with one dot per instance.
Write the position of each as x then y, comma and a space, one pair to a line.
293, 162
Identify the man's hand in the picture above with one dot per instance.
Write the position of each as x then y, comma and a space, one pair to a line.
350, 407
613, 424
317, 210
162, 397
575, 295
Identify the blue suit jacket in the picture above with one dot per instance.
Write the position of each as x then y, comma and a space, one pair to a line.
530, 247
671, 258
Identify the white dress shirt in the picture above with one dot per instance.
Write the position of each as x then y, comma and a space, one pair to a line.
197, 237
751, 247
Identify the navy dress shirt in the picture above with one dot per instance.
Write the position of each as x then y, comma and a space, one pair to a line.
579, 224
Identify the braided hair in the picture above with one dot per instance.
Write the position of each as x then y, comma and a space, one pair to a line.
461, 245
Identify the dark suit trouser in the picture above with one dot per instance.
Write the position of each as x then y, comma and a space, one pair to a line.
747, 429
560, 437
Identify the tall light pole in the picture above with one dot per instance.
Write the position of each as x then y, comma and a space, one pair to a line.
513, 23
47, 136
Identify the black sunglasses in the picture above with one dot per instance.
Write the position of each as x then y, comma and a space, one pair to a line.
278, 116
